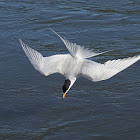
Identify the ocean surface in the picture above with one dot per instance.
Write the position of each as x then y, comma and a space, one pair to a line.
31, 105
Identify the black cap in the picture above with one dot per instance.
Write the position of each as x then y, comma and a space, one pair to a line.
66, 85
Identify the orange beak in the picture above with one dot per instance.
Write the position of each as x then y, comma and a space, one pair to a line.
64, 94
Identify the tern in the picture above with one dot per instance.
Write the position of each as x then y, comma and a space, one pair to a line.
75, 64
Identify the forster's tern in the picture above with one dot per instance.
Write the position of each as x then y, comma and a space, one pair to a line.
75, 64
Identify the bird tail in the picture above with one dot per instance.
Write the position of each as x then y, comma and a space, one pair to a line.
77, 50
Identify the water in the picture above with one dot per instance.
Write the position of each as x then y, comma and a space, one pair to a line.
31, 105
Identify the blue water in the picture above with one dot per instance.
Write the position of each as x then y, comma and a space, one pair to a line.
31, 105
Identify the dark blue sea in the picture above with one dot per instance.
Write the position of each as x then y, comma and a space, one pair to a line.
31, 106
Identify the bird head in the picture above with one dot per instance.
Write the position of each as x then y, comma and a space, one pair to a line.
67, 85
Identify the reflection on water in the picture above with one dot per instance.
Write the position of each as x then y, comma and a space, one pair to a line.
31, 104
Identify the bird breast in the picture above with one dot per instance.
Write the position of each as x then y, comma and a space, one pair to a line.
72, 67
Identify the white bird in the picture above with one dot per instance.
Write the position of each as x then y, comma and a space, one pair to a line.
76, 64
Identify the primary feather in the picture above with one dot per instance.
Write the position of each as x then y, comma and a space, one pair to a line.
97, 72
35, 57
45, 65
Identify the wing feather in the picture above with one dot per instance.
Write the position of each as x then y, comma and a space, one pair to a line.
45, 65
34, 57
98, 72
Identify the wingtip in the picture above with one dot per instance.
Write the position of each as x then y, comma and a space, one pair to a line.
138, 57
20, 40
108, 51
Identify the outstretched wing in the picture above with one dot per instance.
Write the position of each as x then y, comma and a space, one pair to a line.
77, 50
45, 65
98, 72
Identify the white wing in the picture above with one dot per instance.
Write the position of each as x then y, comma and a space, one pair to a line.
77, 50
97, 72
45, 65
